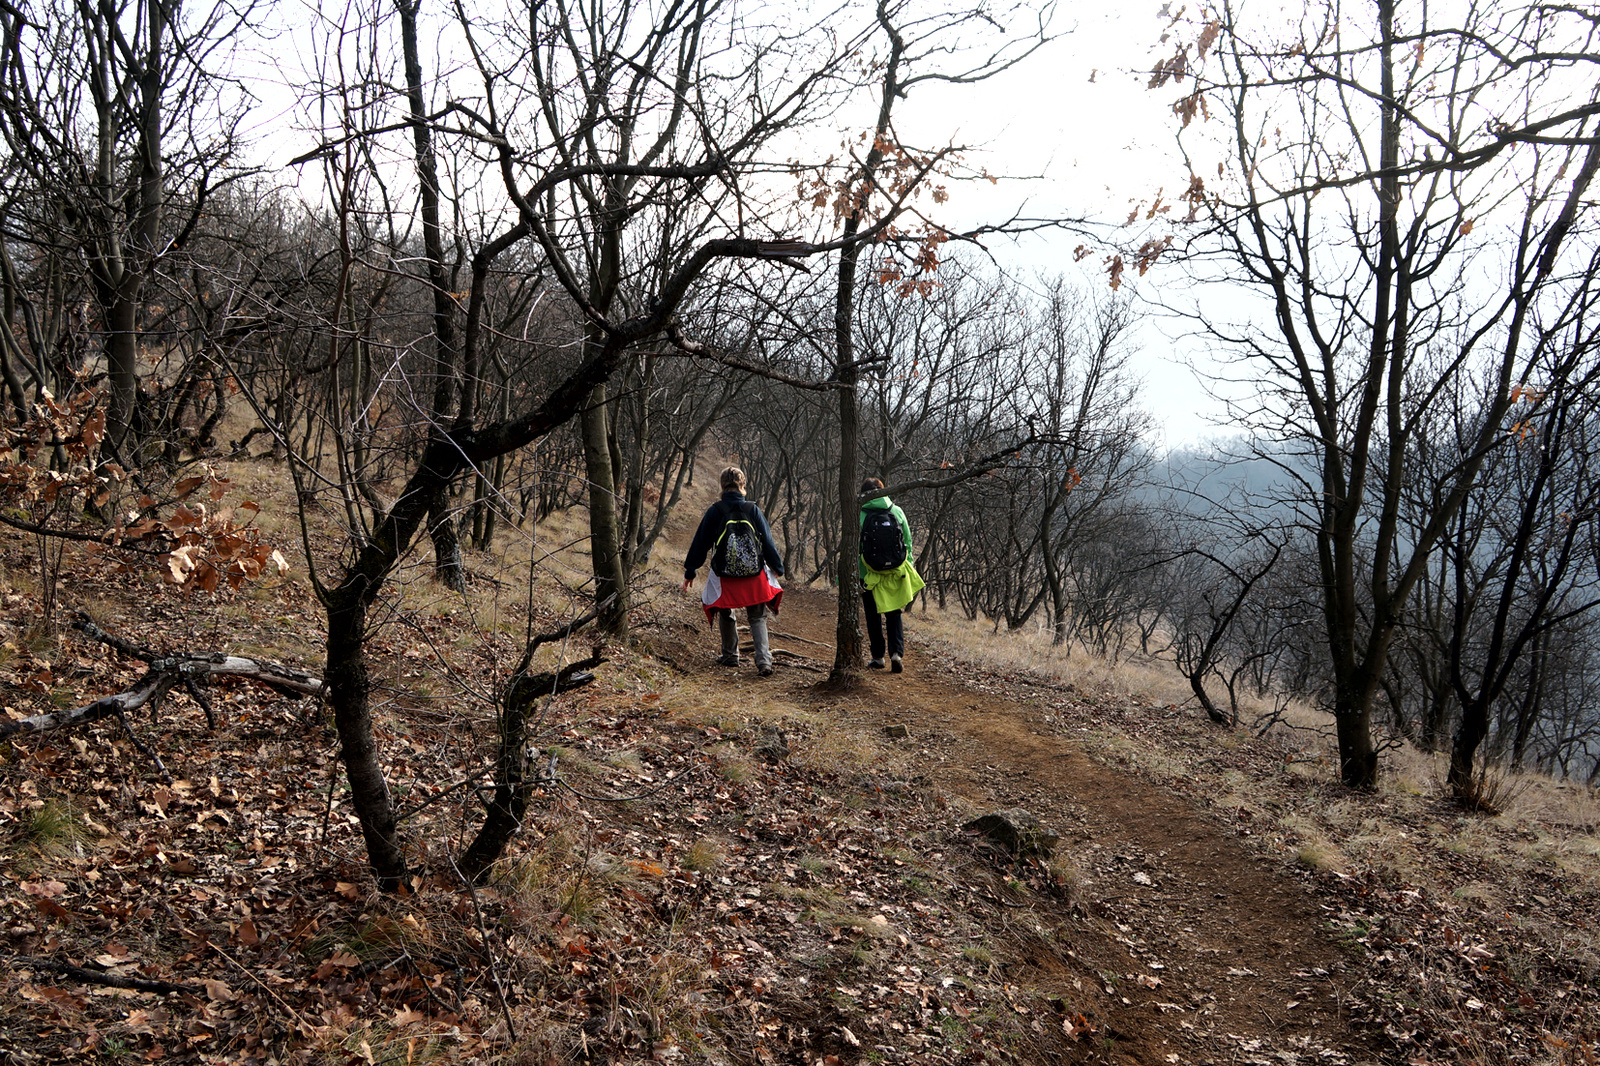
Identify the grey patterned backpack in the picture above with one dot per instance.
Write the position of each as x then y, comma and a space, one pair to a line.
738, 550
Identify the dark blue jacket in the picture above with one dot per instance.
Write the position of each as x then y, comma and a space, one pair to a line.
705, 538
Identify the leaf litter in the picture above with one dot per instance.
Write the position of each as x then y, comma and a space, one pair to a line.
741, 909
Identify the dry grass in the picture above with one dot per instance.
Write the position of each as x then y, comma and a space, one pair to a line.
1283, 781
1029, 649
1406, 833
704, 856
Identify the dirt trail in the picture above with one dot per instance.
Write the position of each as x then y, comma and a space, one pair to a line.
1245, 972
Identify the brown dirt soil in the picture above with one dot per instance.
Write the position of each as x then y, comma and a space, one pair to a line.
1203, 953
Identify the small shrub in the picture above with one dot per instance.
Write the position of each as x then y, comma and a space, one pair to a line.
703, 856
1318, 855
1490, 792
52, 827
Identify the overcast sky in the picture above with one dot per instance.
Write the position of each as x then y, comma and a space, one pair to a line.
1071, 132
1080, 135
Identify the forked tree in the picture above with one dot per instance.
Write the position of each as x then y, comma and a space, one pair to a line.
555, 188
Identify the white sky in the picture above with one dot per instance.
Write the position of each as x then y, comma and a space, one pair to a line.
1098, 148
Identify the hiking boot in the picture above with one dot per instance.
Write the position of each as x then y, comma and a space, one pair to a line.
876, 664
765, 671
894, 664
727, 660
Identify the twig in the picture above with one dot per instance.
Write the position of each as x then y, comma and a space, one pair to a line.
534, 642
304, 1025
417, 808
622, 799
483, 932
333, 783
427, 989
95, 977
86, 625
803, 640
200, 698
149, 753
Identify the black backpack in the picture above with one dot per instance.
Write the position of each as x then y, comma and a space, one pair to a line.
882, 545
738, 549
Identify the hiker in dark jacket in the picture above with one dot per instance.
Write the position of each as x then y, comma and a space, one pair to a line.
887, 591
723, 593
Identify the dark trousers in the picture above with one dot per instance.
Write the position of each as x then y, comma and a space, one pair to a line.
876, 623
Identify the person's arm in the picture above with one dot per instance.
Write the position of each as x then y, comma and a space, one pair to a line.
905, 529
704, 538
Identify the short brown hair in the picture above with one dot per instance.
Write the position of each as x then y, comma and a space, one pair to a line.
733, 480
872, 484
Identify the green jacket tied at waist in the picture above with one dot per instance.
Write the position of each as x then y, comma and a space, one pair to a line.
892, 590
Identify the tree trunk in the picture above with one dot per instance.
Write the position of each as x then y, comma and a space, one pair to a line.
847, 625
1358, 758
122, 368
610, 585
448, 567
1474, 727
1198, 686
512, 784
349, 692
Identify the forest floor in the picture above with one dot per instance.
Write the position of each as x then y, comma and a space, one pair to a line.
729, 869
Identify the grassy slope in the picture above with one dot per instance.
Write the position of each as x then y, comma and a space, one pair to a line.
735, 910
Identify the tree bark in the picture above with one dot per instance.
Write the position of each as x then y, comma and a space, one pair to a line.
513, 788
163, 675
447, 563
847, 624
350, 693
605, 546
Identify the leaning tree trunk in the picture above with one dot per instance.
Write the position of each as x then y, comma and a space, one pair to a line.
350, 693
513, 786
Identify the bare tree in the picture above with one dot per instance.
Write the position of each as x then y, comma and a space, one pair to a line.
1400, 192
915, 43
536, 148
109, 172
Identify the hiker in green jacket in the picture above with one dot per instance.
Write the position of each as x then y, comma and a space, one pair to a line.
888, 580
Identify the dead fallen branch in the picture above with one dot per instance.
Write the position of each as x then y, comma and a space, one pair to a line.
97, 977
775, 634
163, 673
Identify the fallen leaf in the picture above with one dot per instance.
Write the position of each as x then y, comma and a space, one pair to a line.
219, 992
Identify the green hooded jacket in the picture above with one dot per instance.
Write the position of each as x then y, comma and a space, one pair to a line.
892, 590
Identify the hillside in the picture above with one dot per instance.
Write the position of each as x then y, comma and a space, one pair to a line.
723, 868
